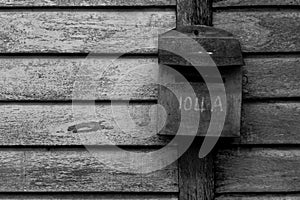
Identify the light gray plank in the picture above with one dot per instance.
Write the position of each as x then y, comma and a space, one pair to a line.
84, 3
101, 31
85, 196
101, 78
78, 170
51, 124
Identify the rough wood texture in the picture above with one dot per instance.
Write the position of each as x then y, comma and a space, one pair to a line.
61, 3
260, 197
196, 176
258, 170
103, 78
194, 12
233, 3
49, 124
271, 77
262, 31
100, 31
83, 196
76, 170
53, 78
271, 123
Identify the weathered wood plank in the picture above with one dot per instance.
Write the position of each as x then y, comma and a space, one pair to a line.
30, 3
262, 31
51, 124
84, 196
233, 3
128, 78
271, 77
260, 197
99, 31
47, 124
77, 170
270, 123
258, 170
104, 78
11, 170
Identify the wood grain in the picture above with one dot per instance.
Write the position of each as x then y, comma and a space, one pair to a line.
194, 12
83, 196
270, 123
77, 170
85, 3
101, 78
258, 170
233, 3
259, 197
42, 78
49, 124
262, 31
100, 31
196, 176
271, 77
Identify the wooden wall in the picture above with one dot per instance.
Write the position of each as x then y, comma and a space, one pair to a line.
44, 44
265, 164
43, 54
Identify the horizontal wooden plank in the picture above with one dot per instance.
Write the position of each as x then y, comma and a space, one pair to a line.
271, 77
78, 170
42, 78
103, 78
100, 31
260, 197
233, 3
84, 196
270, 123
258, 170
262, 31
51, 124
30, 3
55, 124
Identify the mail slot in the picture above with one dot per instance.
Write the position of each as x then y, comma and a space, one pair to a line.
220, 58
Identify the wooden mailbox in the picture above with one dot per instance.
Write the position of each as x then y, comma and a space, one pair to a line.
224, 53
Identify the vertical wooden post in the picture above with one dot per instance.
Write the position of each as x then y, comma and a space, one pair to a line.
196, 176
194, 12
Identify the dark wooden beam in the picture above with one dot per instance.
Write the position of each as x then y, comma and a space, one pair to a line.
194, 12
196, 176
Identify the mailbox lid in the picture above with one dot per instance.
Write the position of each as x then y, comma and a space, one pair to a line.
220, 45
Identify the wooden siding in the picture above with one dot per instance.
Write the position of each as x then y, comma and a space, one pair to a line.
90, 196
264, 162
264, 166
85, 3
257, 3
101, 31
260, 197
258, 170
42, 170
262, 31
42, 78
